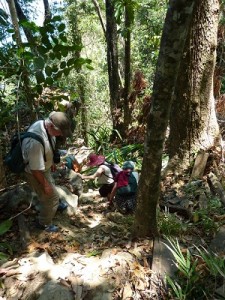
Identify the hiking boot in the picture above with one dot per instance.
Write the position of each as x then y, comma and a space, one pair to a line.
52, 228
62, 206
48, 228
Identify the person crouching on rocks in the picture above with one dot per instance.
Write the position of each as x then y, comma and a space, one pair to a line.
125, 188
103, 174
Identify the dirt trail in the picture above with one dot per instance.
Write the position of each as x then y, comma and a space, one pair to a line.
92, 257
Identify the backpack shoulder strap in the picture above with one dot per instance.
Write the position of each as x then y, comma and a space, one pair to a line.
109, 165
34, 136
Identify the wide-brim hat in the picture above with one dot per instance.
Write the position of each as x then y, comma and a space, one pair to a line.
61, 121
95, 160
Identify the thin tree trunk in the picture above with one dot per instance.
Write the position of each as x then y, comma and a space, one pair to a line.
175, 30
21, 16
112, 61
127, 69
48, 13
2, 171
99, 15
13, 14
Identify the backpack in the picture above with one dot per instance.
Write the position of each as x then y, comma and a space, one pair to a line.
114, 168
129, 189
14, 158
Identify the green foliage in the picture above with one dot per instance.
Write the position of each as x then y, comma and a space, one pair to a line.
131, 6
4, 247
203, 218
190, 283
170, 225
147, 32
100, 138
44, 59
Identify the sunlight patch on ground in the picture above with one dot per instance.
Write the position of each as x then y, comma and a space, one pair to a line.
96, 222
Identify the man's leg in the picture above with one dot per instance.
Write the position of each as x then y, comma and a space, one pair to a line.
48, 204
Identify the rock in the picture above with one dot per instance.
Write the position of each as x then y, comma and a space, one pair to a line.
67, 197
174, 201
52, 290
218, 243
73, 179
21, 194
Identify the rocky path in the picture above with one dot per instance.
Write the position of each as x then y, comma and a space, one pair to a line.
92, 257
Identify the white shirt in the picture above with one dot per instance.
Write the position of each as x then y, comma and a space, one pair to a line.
33, 151
106, 177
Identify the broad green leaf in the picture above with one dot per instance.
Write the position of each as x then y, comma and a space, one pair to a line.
46, 42
42, 50
90, 67
66, 71
5, 226
48, 71
49, 81
55, 40
55, 69
63, 65
39, 88
64, 51
61, 27
40, 77
58, 55
56, 18
50, 28
39, 62
70, 62
63, 37
52, 55
28, 55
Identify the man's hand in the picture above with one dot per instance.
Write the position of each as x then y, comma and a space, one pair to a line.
48, 190
47, 186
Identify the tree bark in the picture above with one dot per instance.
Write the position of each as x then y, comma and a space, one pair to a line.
23, 71
99, 15
112, 61
48, 13
175, 30
21, 16
81, 82
127, 69
2, 171
193, 123
13, 13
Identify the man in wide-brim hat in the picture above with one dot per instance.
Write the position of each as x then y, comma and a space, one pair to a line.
39, 160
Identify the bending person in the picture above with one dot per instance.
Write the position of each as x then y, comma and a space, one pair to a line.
39, 161
103, 174
125, 188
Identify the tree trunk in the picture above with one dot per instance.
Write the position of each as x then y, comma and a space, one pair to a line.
25, 80
81, 82
127, 70
21, 16
48, 13
112, 61
100, 16
193, 123
175, 30
13, 14
2, 171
